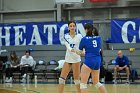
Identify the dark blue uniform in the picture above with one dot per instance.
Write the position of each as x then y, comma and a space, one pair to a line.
122, 61
92, 46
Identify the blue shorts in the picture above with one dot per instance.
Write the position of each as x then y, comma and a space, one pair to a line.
93, 62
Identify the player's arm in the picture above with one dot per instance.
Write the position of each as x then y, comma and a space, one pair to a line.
81, 48
116, 64
68, 47
126, 62
31, 61
67, 44
20, 64
125, 66
81, 52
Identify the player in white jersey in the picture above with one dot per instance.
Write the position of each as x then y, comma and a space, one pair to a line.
72, 59
72, 44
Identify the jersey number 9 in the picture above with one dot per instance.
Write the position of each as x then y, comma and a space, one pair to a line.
94, 43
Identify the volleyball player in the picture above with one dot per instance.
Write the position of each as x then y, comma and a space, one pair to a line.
72, 41
92, 46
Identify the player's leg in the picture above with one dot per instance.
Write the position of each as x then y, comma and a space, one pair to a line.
10, 75
95, 78
85, 72
64, 73
23, 74
116, 68
102, 74
7, 74
76, 75
127, 73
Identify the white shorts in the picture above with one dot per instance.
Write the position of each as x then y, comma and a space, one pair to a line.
72, 58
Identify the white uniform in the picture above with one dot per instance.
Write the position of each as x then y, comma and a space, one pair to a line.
72, 43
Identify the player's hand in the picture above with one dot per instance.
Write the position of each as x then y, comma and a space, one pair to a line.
78, 53
73, 50
120, 68
15, 66
83, 54
124, 67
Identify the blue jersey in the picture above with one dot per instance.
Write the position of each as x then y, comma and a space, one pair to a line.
122, 61
92, 46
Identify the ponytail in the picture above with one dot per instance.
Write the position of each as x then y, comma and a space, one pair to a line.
89, 28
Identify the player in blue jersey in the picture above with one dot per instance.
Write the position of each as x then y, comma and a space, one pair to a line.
92, 46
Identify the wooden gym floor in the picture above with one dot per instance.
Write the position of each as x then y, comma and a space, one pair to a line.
69, 88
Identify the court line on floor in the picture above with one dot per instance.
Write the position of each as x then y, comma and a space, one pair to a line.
11, 90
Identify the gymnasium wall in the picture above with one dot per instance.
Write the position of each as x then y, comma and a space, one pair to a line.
20, 11
57, 52
17, 11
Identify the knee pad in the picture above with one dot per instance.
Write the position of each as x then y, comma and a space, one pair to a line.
61, 80
98, 85
83, 86
77, 82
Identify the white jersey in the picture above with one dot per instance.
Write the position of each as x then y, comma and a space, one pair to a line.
72, 43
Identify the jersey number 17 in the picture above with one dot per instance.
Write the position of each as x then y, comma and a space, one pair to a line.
72, 45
